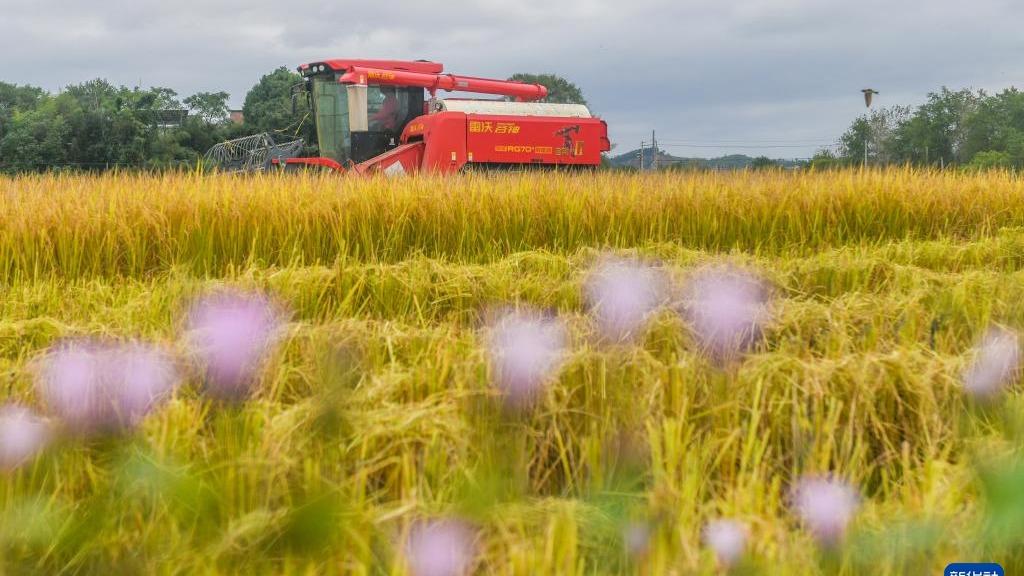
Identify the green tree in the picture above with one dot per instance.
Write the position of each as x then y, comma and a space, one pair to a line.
877, 132
997, 124
1015, 148
210, 107
990, 159
268, 105
855, 141
90, 111
937, 130
824, 159
95, 125
14, 98
34, 140
164, 99
560, 90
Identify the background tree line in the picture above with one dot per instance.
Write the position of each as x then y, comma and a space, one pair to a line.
98, 126
961, 128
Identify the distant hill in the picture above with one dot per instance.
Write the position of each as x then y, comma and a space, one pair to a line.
631, 159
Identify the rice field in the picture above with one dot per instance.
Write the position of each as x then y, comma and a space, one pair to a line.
866, 422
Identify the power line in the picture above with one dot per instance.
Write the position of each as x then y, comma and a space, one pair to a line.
756, 146
751, 141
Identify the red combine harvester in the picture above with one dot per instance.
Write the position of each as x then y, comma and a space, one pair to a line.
384, 116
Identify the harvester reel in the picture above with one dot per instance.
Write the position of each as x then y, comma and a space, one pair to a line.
252, 153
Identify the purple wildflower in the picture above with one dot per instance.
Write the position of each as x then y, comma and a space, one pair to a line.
23, 435
622, 296
728, 539
232, 334
105, 386
996, 364
826, 507
637, 538
440, 548
726, 310
526, 351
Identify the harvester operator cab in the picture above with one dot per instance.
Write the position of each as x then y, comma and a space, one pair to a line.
356, 122
386, 116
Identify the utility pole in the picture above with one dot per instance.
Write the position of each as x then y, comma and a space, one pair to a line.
654, 151
869, 94
640, 164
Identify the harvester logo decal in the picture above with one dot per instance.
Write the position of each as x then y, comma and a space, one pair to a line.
507, 128
480, 127
516, 149
570, 143
485, 127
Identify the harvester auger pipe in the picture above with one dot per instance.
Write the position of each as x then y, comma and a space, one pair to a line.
522, 92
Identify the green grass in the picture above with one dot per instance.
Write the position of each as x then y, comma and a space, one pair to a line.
377, 411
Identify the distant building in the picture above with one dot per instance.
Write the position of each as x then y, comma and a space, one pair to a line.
237, 116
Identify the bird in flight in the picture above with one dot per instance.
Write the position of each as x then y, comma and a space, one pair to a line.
868, 95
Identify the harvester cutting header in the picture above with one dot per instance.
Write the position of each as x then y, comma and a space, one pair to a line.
386, 116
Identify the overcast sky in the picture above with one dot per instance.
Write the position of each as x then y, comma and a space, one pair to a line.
746, 76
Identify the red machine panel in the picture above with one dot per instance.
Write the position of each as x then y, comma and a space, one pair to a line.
445, 137
406, 159
454, 139
535, 140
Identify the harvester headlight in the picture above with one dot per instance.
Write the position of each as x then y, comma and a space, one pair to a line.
322, 68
